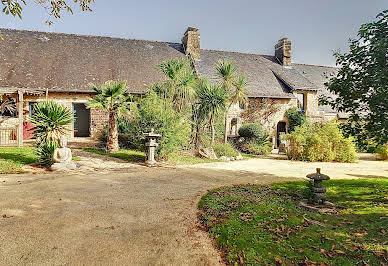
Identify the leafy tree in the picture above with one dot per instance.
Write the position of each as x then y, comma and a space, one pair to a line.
114, 98
51, 121
361, 85
54, 8
180, 84
212, 101
158, 113
227, 73
295, 118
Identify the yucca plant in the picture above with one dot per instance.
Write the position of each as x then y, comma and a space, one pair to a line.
114, 98
234, 85
180, 83
51, 121
212, 101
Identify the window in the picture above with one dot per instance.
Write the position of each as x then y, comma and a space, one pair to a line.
301, 101
31, 107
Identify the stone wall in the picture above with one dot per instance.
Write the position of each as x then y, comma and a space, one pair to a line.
268, 112
98, 120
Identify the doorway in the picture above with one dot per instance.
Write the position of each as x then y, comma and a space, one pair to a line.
281, 128
82, 120
233, 127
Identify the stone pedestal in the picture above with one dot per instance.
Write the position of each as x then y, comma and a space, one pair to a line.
151, 144
318, 191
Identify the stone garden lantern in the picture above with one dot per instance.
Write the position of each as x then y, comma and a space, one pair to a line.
318, 190
151, 145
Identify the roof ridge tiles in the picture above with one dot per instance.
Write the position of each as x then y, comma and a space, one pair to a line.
86, 35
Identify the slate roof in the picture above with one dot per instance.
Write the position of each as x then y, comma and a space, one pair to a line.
261, 80
318, 75
68, 62
265, 76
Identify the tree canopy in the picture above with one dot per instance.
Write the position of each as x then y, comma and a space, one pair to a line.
54, 8
361, 85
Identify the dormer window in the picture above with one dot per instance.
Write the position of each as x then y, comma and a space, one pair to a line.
301, 101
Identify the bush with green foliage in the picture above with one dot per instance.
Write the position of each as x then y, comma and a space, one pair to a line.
382, 151
128, 135
253, 147
253, 139
253, 131
157, 113
51, 121
295, 118
224, 149
323, 142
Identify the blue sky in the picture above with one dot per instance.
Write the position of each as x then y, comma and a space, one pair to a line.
316, 28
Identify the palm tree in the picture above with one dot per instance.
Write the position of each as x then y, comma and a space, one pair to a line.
180, 84
226, 72
115, 99
212, 102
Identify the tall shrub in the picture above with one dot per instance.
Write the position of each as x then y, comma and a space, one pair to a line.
51, 121
295, 118
382, 151
158, 113
320, 142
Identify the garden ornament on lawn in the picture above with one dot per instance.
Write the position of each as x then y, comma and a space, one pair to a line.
62, 157
151, 144
318, 190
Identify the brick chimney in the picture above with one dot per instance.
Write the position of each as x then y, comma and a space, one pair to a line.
283, 52
191, 42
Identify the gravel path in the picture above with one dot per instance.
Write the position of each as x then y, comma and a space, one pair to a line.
367, 166
131, 216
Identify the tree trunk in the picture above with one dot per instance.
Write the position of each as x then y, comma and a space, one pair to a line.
213, 129
226, 129
197, 138
113, 138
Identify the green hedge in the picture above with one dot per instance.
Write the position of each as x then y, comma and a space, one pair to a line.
322, 142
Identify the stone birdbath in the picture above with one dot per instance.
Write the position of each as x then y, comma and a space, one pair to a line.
151, 144
318, 190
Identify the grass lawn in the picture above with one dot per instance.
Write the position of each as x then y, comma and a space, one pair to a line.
124, 154
182, 158
12, 159
263, 225
139, 156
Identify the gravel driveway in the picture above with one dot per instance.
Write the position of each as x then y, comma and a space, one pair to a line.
128, 216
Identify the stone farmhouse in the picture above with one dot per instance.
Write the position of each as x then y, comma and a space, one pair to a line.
36, 65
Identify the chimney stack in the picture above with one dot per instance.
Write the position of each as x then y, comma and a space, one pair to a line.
191, 42
283, 52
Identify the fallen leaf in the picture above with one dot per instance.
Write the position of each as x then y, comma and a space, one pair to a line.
339, 252
360, 234
278, 261
256, 259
